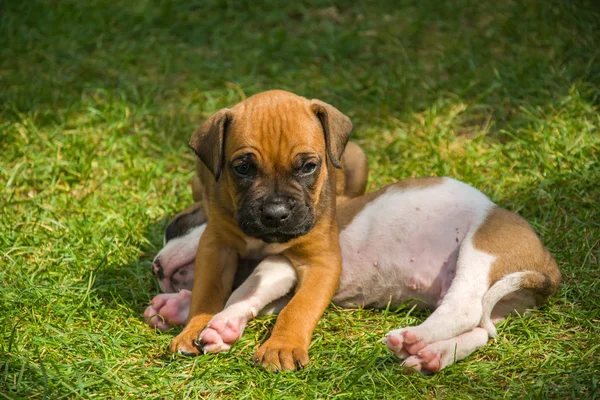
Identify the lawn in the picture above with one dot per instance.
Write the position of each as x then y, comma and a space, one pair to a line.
98, 99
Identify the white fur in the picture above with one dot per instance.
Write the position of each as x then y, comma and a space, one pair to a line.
405, 244
182, 249
461, 308
274, 272
509, 284
448, 350
177, 258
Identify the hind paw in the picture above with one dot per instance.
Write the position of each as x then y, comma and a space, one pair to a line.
404, 343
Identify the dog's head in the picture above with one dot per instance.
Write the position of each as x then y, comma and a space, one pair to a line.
271, 157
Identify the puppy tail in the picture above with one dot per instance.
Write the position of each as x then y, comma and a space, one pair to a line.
541, 284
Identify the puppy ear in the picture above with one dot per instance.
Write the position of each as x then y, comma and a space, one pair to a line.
337, 128
208, 142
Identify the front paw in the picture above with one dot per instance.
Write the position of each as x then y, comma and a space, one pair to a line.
221, 332
282, 355
187, 343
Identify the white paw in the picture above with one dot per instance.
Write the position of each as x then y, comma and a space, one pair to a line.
224, 329
404, 342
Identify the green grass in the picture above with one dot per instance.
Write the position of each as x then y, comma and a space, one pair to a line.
98, 99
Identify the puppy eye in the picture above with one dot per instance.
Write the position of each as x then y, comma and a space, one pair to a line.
244, 169
308, 168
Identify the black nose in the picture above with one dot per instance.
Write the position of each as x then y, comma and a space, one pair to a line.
157, 269
275, 212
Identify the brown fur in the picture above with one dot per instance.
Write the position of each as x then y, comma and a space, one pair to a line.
276, 127
351, 181
356, 170
508, 236
196, 188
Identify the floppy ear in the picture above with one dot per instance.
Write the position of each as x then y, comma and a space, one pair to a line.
337, 128
208, 142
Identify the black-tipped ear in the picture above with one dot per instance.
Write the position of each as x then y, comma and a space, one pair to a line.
337, 128
208, 142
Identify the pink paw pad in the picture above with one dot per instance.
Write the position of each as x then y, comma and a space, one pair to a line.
426, 362
404, 343
168, 310
220, 334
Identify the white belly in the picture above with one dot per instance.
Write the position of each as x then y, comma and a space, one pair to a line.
404, 244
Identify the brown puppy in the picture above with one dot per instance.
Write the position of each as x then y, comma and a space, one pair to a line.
174, 267
268, 185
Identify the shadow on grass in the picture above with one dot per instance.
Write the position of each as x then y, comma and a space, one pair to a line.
374, 59
120, 286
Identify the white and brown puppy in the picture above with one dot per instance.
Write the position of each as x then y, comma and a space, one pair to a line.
434, 239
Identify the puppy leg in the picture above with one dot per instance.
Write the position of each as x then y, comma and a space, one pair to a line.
168, 310
272, 279
438, 355
460, 310
213, 280
318, 276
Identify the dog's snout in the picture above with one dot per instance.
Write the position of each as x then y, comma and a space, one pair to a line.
275, 212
